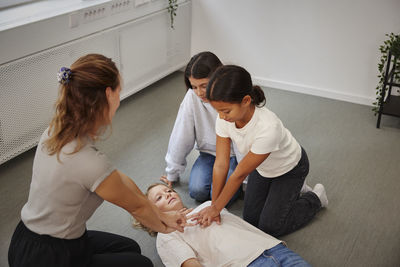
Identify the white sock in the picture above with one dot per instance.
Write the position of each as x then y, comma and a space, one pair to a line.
319, 190
306, 188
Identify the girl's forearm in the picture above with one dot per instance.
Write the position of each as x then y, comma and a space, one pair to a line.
248, 164
219, 177
229, 190
221, 166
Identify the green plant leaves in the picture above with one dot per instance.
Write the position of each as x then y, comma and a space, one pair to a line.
172, 7
392, 44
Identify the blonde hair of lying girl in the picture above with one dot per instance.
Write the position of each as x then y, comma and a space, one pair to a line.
174, 205
216, 245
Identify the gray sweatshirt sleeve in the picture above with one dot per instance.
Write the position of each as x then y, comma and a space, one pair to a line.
181, 141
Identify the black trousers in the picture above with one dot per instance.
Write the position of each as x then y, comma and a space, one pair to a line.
275, 205
94, 248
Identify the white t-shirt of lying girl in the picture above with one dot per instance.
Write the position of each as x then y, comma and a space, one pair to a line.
234, 243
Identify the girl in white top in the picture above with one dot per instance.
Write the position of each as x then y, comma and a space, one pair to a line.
195, 127
233, 243
275, 162
71, 178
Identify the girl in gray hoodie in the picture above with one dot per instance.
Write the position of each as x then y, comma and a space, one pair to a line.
195, 128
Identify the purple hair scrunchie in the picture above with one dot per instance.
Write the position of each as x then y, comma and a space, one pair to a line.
64, 75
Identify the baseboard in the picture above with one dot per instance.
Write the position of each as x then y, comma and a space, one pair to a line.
298, 88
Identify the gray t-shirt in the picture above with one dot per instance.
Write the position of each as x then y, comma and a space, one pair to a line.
61, 197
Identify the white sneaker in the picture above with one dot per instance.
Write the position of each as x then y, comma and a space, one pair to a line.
319, 190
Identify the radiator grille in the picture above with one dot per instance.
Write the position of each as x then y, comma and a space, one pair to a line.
145, 50
29, 88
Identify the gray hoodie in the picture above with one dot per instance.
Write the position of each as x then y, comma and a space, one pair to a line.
194, 127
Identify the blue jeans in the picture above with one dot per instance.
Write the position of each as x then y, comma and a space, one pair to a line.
200, 180
279, 255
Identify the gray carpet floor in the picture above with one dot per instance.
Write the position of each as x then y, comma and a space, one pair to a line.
358, 164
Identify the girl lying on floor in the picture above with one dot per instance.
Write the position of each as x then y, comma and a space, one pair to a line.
233, 242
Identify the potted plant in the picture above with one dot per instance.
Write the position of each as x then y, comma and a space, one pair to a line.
172, 7
392, 44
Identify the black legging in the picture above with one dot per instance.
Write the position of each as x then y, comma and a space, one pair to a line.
275, 205
94, 248
115, 250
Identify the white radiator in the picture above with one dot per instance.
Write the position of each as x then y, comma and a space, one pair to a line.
145, 50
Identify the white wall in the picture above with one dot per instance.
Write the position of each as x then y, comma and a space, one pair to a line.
328, 48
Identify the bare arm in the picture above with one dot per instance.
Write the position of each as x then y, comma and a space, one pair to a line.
193, 262
120, 190
248, 164
221, 165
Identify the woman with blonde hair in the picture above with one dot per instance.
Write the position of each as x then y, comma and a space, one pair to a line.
71, 178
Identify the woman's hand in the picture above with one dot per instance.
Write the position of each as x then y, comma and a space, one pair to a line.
189, 222
206, 216
175, 220
164, 179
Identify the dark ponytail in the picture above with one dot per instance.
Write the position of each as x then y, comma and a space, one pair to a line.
257, 96
231, 83
200, 66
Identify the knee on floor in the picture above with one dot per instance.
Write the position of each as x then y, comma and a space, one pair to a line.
199, 194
